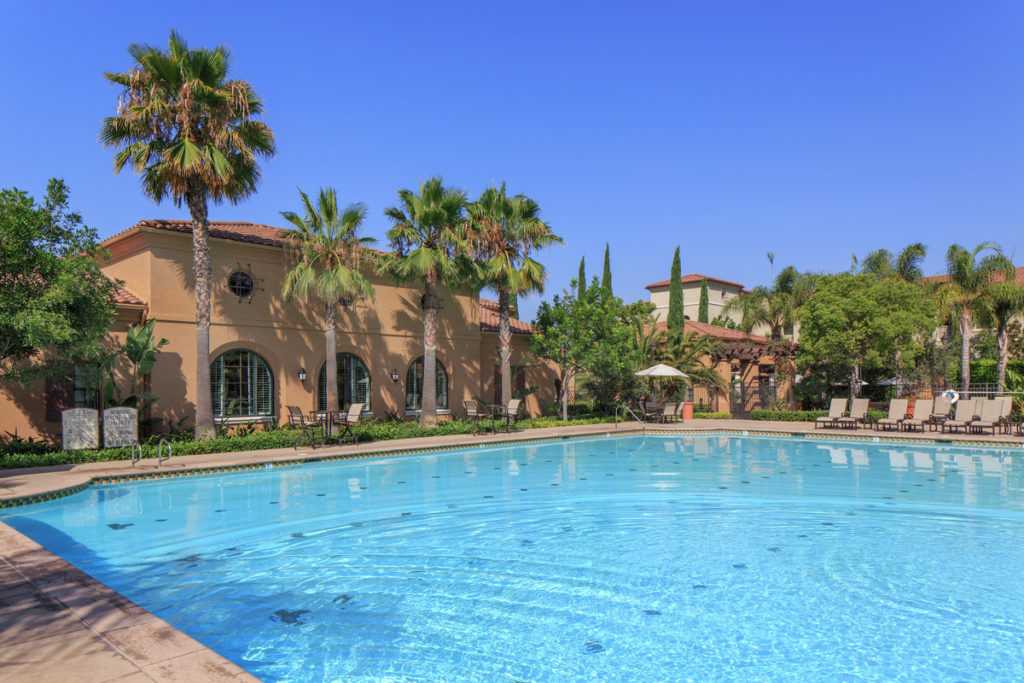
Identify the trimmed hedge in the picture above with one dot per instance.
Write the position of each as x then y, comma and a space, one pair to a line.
262, 440
709, 415
787, 415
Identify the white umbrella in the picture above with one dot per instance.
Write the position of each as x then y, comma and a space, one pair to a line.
660, 370
891, 382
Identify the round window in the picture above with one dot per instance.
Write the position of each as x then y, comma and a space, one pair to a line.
240, 284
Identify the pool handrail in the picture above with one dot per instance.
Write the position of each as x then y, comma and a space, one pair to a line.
630, 411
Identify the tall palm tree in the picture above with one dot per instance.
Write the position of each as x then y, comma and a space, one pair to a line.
775, 307
330, 254
1001, 302
430, 244
904, 266
963, 292
506, 230
190, 132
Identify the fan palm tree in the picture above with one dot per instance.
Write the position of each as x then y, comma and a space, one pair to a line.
430, 245
904, 266
1000, 303
963, 293
329, 254
506, 230
190, 132
686, 351
775, 307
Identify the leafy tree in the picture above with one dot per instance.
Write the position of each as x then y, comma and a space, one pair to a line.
190, 132
507, 230
330, 254
647, 338
702, 313
1015, 340
606, 277
586, 335
962, 295
54, 296
776, 307
904, 266
1001, 302
676, 317
581, 282
859, 321
430, 245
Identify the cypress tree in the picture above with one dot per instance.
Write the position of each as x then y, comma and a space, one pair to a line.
702, 314
606, 278
581, 283
676, 318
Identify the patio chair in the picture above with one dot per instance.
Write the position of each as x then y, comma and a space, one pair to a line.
669, 412
858, 414
965, 413
922, 415
1004, 413
989, 418
835, 413
940, 411
510, 413
310, 428
351, 418
473, 413
897, 411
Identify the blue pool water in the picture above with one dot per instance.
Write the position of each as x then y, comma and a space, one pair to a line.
665, 558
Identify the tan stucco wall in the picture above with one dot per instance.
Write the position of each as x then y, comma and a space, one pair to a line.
718, 295
386, 333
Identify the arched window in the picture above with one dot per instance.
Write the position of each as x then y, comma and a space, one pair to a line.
241, 385
414, 386
353, 383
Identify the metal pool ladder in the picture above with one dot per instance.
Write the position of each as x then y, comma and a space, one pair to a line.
628, 410
160, 457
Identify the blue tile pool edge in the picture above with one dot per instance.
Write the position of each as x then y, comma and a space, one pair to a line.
292, 462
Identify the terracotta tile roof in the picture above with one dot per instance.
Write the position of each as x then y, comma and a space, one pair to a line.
1018, 276
126, 297
691, 278
718, 332
489, 319
254, 233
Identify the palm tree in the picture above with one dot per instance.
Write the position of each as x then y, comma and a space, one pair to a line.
776, 307
506, 231
430, 244
330, 254
963, 292
686, 351
1001, 302
904, 266
190, 133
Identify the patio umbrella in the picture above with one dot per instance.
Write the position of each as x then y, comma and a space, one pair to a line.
892, 381
659, 370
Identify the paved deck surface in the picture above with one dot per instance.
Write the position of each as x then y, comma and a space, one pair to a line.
59, 624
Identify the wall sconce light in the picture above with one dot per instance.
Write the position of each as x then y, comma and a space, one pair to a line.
302, 374
394, 375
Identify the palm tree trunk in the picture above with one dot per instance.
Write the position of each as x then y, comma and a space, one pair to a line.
505, 346
565, 394
203, 273
1002, 343
331, 342
428, 405
965, 352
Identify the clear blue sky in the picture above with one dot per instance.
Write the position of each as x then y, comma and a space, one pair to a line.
809, 129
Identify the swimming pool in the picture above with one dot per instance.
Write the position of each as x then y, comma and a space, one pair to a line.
665, 558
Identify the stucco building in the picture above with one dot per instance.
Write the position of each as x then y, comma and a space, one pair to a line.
268, 353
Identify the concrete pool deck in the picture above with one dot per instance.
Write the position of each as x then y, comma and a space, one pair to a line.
59, 624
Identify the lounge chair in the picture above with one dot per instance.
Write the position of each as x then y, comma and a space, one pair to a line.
922, 415
473, 413
966, 410
1005, 412
940, 411
835, 413
351, 418
310, 428
989, 418
509, 414
897, 411
858, 414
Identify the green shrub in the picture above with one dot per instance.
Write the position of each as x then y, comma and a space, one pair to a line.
710, 415
787, 415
